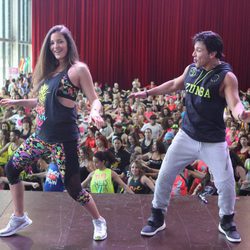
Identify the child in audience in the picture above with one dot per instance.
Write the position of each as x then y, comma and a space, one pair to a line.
138, 182
101, 180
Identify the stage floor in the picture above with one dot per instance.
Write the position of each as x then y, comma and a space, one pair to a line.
61, 223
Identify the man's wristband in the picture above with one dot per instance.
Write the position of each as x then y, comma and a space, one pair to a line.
146, 93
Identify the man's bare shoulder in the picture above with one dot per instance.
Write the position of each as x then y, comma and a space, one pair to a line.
230, 76
230, 82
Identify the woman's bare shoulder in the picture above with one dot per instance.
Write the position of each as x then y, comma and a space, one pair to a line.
79, 66
77, 71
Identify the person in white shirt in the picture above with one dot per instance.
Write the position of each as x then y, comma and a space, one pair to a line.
154, 126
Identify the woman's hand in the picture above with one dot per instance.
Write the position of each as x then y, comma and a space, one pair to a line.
245, 116
7, 102
96, 118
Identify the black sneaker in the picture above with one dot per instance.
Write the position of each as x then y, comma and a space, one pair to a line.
228, 228
155, 224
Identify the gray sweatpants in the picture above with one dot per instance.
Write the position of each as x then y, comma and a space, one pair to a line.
183, 151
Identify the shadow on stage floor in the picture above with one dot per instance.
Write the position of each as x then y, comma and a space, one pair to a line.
61, 223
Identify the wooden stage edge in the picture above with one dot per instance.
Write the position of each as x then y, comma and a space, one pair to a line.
61, 223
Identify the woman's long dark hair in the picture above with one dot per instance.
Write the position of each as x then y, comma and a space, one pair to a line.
47, 63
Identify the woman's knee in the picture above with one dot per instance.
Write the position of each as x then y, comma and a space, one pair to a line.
82, 196
12, 172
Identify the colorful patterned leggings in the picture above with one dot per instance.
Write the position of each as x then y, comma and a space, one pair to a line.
64, 154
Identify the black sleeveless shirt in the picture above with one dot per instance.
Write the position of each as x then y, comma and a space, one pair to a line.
55, 122
137, 187
203, 120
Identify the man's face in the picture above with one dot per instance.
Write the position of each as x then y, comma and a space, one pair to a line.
202, 57
117, 129
152, 121
20, 112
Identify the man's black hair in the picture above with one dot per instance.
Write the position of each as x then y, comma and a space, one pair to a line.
212, 41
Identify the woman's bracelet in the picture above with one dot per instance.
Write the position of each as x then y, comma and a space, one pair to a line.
239, 118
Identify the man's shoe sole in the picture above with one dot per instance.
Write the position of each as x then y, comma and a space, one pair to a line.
155, 232
229, 239
17, 230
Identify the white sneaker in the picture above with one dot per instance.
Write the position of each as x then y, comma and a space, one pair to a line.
15, 224
100, 229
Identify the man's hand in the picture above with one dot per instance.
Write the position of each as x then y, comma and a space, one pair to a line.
141, 94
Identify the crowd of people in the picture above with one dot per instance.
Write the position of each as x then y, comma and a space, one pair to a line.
136, 135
